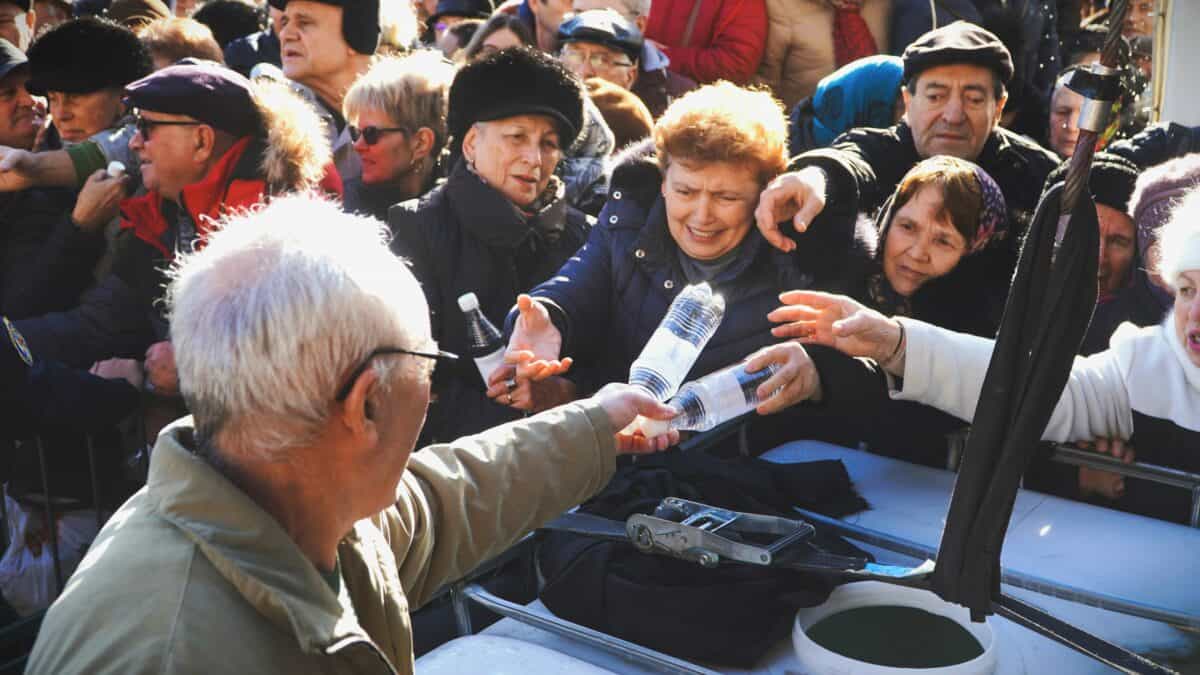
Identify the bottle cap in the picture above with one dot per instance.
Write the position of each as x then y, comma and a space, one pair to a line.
116, 169
468, 302
651, 428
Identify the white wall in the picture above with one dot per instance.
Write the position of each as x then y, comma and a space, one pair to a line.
1181, 93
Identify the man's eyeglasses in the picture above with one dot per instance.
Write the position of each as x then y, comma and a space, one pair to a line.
144, 125
371, 135
598, 60
344, 391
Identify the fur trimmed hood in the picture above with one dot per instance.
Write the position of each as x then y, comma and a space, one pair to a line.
296, 153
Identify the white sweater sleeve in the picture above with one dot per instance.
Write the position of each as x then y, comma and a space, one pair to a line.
946, 370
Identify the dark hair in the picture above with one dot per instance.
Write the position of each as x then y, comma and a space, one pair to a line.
962, 198
230, 19
465, 30
496, 23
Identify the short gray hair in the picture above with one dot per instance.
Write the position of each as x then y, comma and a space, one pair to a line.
276, 310
413, 90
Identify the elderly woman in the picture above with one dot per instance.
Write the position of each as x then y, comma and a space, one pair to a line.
397, 117
944, 212
499, 225
681, 211
1144, 388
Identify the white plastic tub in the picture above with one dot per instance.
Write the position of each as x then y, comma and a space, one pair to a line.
817, 660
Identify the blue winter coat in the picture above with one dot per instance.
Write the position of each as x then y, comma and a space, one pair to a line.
610, 296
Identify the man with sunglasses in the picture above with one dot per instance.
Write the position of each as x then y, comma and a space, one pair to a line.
207, 142
288, 526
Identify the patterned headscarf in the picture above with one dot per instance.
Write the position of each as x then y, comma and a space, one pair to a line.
993, 218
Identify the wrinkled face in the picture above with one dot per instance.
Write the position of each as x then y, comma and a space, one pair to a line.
391, 155
169, 160
953, 110
588, 59
1187, 313
1117, 238
1064, 121
18, 121
311, 42
710, 206
16, 25
922, 244
515, 155
79, 116
400, 416
498, 41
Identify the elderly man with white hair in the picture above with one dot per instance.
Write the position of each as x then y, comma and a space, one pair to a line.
287, 525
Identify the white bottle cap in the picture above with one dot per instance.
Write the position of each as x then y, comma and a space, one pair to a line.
468, 302
116, 169
652, 428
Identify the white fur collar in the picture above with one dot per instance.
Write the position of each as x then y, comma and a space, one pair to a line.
1162, 381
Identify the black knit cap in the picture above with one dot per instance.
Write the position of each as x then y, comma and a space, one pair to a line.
959, 42
360, 22
85, 55
517, 81
472, 9
603, 27
1111, 181
203, 90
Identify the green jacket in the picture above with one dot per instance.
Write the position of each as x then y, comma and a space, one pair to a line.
191, 576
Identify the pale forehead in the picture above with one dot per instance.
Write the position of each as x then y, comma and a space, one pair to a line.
592, 47
961, 74
527, 123
311, 9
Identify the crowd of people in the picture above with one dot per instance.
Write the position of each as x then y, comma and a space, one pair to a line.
231, 212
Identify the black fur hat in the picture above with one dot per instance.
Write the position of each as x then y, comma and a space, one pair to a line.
86, 55
517, 81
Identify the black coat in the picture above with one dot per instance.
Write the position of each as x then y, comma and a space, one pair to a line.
464, 236
1157, 144
47, 261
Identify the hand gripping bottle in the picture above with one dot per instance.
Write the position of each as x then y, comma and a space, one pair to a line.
676, 344
711, 400
487, 344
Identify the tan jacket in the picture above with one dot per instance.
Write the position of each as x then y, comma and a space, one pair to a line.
800, 44
191, 576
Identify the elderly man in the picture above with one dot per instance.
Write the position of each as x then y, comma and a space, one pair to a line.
954, 94
325, 46
288, 526
208, 141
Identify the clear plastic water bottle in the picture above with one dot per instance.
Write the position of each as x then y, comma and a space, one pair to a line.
676, 344
711, 400
487, 343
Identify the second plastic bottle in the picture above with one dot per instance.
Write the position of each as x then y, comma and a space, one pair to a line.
677, 342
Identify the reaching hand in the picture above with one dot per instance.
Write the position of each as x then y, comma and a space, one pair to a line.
798, 196
796, 380
16, 169
160, 368
535, 343
839, 322
99, 201
1106, 483
505, 388
119, 369
624, 403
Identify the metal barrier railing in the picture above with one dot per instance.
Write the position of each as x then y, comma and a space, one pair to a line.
1152, 472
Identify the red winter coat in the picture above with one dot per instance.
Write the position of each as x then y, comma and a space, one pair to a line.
727, 39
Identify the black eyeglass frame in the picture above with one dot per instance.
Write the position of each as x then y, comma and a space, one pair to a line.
371, 133
344, 391
145, 125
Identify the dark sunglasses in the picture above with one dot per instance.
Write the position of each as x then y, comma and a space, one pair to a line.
372, 134
144, 126
439, 356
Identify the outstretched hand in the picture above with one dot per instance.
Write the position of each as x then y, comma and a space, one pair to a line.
16, 169
624, 403
839, 322
535, 344
798, 196
796, 380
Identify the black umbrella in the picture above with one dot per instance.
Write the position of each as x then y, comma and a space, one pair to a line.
1049, 306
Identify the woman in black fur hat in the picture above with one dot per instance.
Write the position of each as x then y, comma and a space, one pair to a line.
500, 223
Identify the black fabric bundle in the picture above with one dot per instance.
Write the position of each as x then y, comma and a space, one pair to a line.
1047, 314
727, 616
